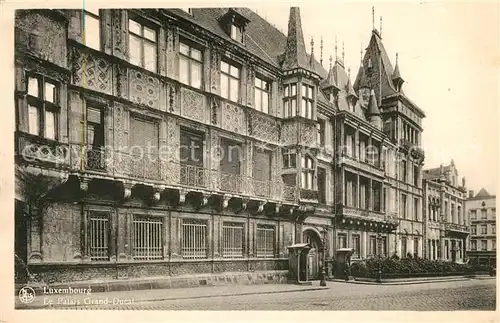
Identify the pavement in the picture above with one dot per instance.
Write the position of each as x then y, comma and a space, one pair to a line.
409, 281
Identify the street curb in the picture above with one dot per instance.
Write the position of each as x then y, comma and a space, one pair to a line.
401, 283
28, 307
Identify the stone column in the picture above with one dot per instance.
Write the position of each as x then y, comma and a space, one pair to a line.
358, 192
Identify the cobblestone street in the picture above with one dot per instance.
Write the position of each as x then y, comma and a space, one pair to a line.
444, 296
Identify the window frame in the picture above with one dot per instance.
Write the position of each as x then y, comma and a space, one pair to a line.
196, 223
259, 91
307, 111
97, 17
290, 96
262, 251
94, 214
190, 62
224, 243
142, 40
289, 155
307, 172
42, 105
148, 220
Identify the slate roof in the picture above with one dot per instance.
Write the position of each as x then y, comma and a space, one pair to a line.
483, 193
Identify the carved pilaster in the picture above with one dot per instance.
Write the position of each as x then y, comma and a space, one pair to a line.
250, 85
225, 201
215, 70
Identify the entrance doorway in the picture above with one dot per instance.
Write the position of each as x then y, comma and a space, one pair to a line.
314, 256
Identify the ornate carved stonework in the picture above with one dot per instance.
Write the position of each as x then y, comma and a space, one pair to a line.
170, 164
215, 71
263, 127
144, 89
170, 50
214, 159
192, 105
233, 118
42, 36
308, 134
250, 85
92, 72
289, 133
171, 100
119, 23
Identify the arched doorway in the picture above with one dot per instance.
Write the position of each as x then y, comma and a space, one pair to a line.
314, 256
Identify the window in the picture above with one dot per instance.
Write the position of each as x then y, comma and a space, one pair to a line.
91, 30
473, 245
416, 176
144, 146
415, 247
484, 245
236, 33
372, 246
473, 230
289, 158
473, 214
95, 138
98, 236
307, 172
384, 246
484, 229
191, 154
493, 229
190, 65
403, 206
404, 171
321, 185
142, 45
342, 240
262, 95
484, 214
148, 237
290, 101
415, 208
231, 165
233, 240
356, 245
306, 109
321, 132
43, 107
230, 81
265, 241
194, 239
403, 247
493, 245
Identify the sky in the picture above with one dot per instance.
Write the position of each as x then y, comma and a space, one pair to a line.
448, 56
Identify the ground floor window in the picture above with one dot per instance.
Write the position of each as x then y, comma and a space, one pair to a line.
147, 237
232, 240
372, 246
342, 240
403, 247
194, 239
98, 236
356, 245
265, 241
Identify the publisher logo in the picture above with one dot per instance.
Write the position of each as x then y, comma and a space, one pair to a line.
26, 295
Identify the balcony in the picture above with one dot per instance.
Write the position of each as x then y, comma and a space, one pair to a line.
363, 214
37, 150
413, 150
365, 166
309, 195
456, 228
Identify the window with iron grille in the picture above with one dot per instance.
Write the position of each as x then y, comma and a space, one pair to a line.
194, 239
265, 241
230, 81
91, 28
290, 101
190, 65
43, 106
232, 240
148, 237
262, 94
98, 236
142, 45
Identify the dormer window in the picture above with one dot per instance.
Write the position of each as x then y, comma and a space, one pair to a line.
189, 11
234, 23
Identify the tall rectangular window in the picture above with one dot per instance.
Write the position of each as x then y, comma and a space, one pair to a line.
191, 154
372, 247
230, 81
237, 33
262, 94
290, 101
356, 245
306, 108
404, 247
493, 229
98, 236
322, 185
95, 138
415, 246
43, 107
142, 46
415, 209
190, 65
493, 245
473, 245
265, 241
307, 172
484, 245
91, 28
289, 158
473, 214
416, 176
484, 214
194, 239
231, 165
232, 240
404, 206
321, 132
484, 229
148, 237
404, 171
342, 240
473, 230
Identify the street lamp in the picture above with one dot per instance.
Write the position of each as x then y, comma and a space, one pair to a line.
323, 273
379, 274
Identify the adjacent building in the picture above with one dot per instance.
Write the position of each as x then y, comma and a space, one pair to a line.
168, 142
446, 225
481, 210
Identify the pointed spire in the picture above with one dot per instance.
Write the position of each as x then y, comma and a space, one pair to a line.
321, 52
331, 81
349, 89
331, 62
396, 76
311, 58
380, 31
336, 55
373, 109
295, 51
373, 18
343, 53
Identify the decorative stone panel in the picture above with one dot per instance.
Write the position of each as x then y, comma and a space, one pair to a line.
308, 134
57, 244
42, 36
190, 268
289, 134
92, 72
250, 75
171, 53
215, 71
144, 89
192, 105
170, 163
263, 127
120, 33
233, 118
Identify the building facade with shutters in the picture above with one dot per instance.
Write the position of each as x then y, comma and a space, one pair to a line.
481, 210
166, 142
446, 223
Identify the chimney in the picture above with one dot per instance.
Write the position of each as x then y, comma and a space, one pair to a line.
471, 194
